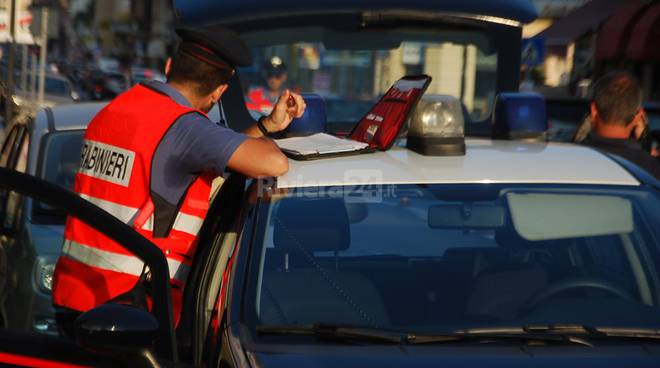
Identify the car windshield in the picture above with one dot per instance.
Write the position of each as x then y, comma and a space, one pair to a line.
436, 258
59, 161
351, 70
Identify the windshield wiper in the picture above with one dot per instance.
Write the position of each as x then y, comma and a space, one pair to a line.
337, 332
568, 333
595, 332
556, 334
628, 333
547, 334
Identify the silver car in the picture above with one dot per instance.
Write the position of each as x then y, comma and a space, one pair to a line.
46, 146
58, 90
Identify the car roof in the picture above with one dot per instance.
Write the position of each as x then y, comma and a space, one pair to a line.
486, 161
231, 11
75, 116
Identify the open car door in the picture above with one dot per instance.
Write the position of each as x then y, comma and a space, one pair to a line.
111, 334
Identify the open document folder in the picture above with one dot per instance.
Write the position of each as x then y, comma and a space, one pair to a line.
377, 130
319, 144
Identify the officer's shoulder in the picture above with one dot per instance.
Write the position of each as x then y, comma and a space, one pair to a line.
194, 117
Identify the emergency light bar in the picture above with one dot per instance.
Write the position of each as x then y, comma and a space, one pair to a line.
520, 116
437, 127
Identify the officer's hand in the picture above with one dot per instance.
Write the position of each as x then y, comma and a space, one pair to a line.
289, 106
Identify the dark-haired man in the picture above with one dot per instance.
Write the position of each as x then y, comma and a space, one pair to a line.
149, 158
616, 116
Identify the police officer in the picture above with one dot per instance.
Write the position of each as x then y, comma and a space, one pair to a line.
262, 100
149, 158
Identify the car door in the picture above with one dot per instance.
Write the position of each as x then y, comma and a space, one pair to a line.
12, 156
208, 277
153, 332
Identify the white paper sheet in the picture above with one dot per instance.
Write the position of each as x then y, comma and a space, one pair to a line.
319, 143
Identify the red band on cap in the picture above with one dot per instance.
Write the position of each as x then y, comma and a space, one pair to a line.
203, 48
201, 53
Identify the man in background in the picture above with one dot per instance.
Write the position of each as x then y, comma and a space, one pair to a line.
261, 100
618, 121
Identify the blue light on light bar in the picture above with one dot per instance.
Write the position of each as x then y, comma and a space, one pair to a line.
519, 116
313, 121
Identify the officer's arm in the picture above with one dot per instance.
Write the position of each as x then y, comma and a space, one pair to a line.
258, 158
289, 106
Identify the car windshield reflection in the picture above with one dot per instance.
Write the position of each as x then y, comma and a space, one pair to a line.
351, 70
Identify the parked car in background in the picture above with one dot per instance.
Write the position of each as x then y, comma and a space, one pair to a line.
102, 85
46, 146
144, 74
58, 90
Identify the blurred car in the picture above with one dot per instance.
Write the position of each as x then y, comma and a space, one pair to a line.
104, 86
144, 74
58, 90
107, 64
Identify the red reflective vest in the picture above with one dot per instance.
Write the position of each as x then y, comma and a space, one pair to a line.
115, 173
256, 101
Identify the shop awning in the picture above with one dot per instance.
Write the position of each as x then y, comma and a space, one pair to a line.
587, 17
615, 33
645, 40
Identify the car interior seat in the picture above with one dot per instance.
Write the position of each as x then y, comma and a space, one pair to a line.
501, 289
233, 104
300, 289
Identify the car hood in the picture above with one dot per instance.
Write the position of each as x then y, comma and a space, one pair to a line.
482, 356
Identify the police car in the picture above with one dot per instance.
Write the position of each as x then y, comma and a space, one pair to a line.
520, 253
515, 253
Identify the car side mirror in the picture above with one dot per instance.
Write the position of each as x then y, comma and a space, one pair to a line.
118, 330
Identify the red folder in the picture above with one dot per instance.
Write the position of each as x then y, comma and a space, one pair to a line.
382, 124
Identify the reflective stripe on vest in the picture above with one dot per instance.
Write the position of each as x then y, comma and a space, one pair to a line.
188, 224
118, 262
185, 223
125, 214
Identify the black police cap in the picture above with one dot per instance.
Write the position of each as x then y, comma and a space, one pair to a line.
274, 66
218, 46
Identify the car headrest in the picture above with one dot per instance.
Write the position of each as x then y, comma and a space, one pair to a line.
316, 225
314, 120
233, 103
519, 116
